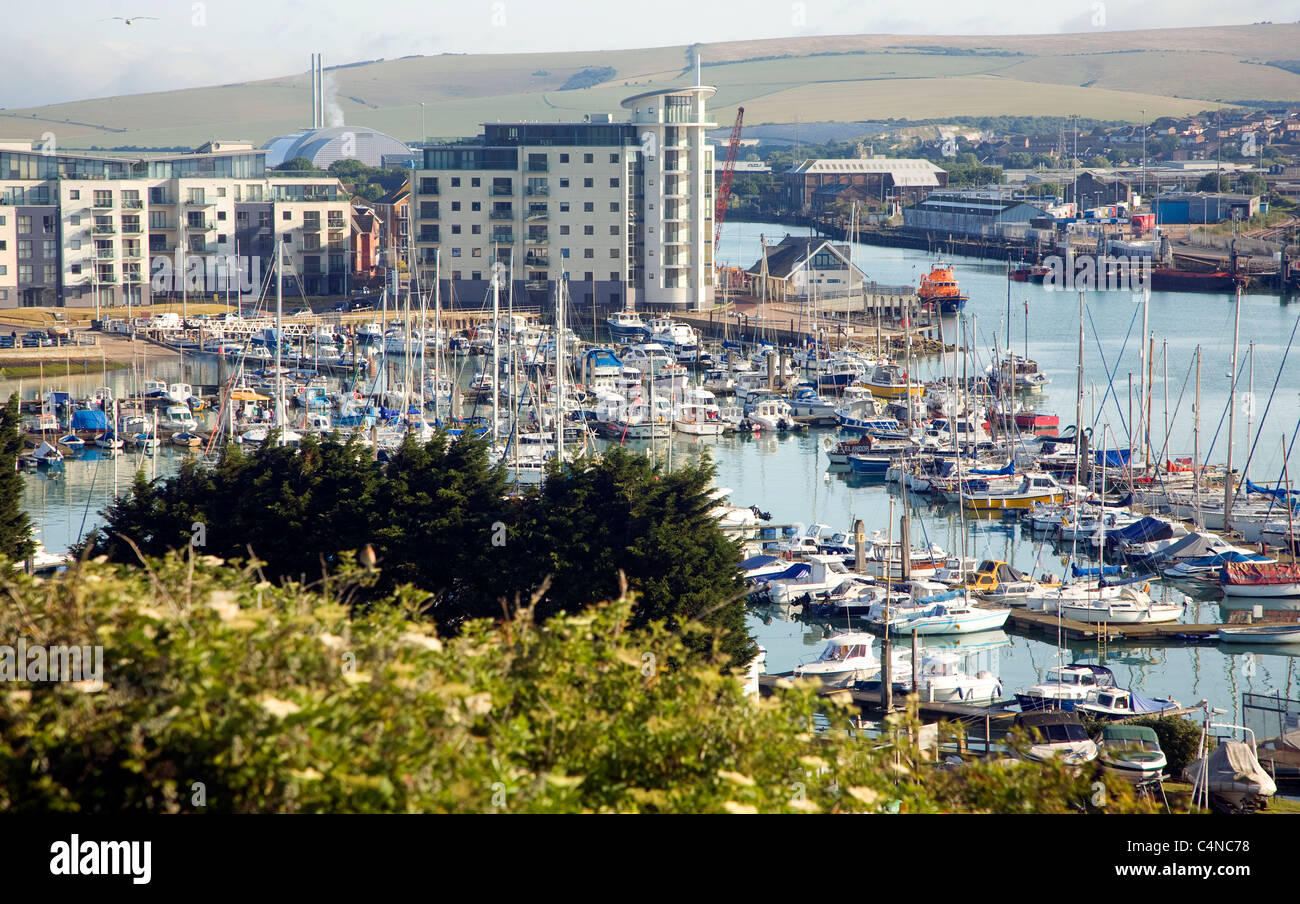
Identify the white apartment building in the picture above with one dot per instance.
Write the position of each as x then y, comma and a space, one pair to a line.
85, 230
625, 208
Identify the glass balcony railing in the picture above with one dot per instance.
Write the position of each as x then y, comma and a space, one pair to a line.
501, 215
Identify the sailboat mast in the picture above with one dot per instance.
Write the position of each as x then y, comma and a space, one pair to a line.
496, 352
279, 337
1196, 440
1078, 407
1232, 412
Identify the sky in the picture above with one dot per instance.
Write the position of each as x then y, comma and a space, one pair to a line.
67, 50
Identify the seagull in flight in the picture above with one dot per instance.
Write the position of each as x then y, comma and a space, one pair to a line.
128, 21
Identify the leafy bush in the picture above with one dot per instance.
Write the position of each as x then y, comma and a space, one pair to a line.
1179, 739
225, 693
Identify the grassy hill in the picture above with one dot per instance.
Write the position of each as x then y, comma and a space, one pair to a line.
1102, 74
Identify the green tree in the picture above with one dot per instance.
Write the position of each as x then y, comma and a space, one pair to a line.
16, 541
298, 165
1210, 182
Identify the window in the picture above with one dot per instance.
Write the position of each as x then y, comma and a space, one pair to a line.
48, 249
613, 207
455, 229
588, 158
564, 230
24, 249
288, 237
221, 240
24, 223
74, 244
221, 192
613, 252
588, 182
475, 205
588, 207
477, 274
564, 183
475, 229
221, 215
455, 252
564, 207
476, 252
475, 182
103, 199
613, 158
564, 253
50, 272
588, 229
588, 253
613, 182
589, 277
615, 277
74, 195
286, 216
455, 205
613, 230
24, 273
564, 158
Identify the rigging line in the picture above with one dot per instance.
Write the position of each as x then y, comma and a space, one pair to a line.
1164, 450
1264, 417
1282, 476
1223, 415
1110, 374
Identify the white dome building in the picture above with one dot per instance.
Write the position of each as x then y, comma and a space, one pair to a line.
324, 146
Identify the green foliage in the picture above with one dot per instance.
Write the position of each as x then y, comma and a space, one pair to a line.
1210, 182
1179, 739
285, 699
297, 165
15, 527
438, 518
585, 78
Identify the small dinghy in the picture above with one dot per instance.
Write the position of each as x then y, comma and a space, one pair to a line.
1260, 634
1132, 752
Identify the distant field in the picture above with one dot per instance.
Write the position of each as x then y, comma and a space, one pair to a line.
1104, 74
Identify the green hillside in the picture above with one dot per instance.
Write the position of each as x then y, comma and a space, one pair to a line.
1103, 74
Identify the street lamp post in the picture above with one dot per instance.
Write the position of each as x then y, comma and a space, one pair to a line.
423, 137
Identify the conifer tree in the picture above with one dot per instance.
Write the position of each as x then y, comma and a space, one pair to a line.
15, 527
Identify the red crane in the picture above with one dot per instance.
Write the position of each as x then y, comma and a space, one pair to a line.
724, 187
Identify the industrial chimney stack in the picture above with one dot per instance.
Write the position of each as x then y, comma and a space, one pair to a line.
317, 92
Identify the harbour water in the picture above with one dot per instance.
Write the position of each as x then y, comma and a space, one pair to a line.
787, 475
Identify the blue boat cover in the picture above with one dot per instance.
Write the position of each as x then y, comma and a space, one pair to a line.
756, 562
1113, 458
1007, 469
941, 597
1144, 531
89, 419
1140, 704
1277, 493
797, 570
1077, 572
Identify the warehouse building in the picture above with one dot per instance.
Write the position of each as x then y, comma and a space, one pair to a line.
880, 178
971, 214
1203, 207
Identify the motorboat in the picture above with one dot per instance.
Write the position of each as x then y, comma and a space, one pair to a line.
178, 417
186, 440
1065, 687
806, 403
1056, 734
47, 455
72, 442
1233, 777
891, 381
941, 678
1119, 703
772, 414
950, 617
846, 659
627, 326
1033, 488
1131, 752
939, 290
698, 415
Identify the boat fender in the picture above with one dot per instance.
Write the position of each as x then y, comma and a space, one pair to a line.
1146, 588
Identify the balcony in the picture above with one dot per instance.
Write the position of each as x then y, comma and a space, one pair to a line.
429, 238
105, 230
537, 213
106, 278
103, 204
501, 191
193, 202
537, 191
501, 215
199, 226
132, 204
537, 285
539, 236
132, 276
131, 228
537, 260
132, 253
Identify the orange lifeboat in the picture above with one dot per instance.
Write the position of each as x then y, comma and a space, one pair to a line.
939, 289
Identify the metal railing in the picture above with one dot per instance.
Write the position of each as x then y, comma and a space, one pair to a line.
537, 191
132, 204
105, 230
501, 191
501, 215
